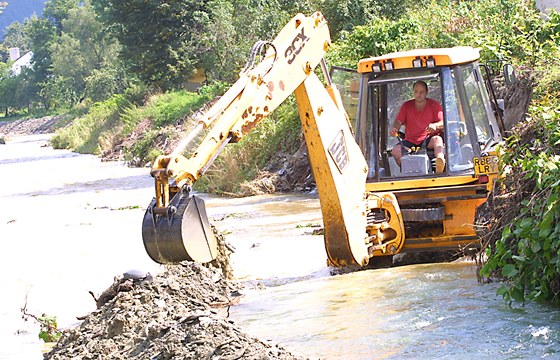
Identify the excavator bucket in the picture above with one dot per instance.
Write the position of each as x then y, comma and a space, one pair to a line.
181, 233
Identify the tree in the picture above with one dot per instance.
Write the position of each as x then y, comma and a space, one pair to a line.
56, 11
5, 87
160, 39
83, 53
235, 25
41, 34
345, 15
15, 36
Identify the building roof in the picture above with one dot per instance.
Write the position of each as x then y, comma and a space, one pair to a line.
23, 61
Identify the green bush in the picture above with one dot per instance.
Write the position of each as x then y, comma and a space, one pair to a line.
84, 133
528, 252
108, 122
170, 108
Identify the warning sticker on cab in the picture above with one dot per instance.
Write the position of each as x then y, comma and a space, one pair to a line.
485, 165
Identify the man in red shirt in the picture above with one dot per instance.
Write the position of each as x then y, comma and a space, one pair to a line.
423, 119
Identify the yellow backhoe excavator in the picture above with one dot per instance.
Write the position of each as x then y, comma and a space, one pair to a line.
372, 207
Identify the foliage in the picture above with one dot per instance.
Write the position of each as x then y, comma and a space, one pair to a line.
107, 123
41, 34
56, 11
49, 331
548, 73
83, 62
159, 38
83, 135
344, 15
528, 252
380, 37
171, 108
166, 112
507, 30
15, 36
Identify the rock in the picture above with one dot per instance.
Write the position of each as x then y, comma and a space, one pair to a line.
137, 275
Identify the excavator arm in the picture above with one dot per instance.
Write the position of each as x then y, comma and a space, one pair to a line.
175, 226
288, 61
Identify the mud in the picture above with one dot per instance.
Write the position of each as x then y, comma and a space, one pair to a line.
179, 314
516, 96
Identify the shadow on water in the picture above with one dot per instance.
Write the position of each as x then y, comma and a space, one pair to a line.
133, 182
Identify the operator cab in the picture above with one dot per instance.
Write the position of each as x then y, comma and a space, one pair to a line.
374, 95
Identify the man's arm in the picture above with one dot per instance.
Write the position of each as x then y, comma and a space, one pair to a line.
438, 125
396, 126
435, 127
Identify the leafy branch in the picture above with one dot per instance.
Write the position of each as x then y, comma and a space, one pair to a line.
49, 331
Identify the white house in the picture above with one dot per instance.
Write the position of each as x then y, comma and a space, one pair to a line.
21, 61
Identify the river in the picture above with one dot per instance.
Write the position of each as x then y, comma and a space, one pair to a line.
69, 223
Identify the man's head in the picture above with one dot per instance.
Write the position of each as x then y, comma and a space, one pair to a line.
420, 91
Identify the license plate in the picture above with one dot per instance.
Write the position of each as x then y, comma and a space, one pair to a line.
486, 165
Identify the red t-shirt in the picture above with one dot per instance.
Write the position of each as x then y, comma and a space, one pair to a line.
416, 121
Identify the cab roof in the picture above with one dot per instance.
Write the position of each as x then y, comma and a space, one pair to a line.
404, 59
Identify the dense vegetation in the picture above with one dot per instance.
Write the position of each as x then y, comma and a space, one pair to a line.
524, 235
119, 67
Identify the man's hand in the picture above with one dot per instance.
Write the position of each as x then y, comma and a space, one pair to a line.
432, 128
394, 131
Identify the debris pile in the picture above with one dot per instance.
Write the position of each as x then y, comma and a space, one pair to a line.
180, 314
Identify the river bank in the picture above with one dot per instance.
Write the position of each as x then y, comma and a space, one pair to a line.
69, 225
72, 224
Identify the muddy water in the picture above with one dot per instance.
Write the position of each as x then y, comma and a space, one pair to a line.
69, 223
430, 311
412, 312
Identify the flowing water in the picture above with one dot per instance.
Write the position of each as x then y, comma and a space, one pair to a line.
69, 223
435, 311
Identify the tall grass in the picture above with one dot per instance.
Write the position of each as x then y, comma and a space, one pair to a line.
83, 135
107, 123
242, 162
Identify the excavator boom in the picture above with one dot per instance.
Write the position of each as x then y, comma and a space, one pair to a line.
175, 226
